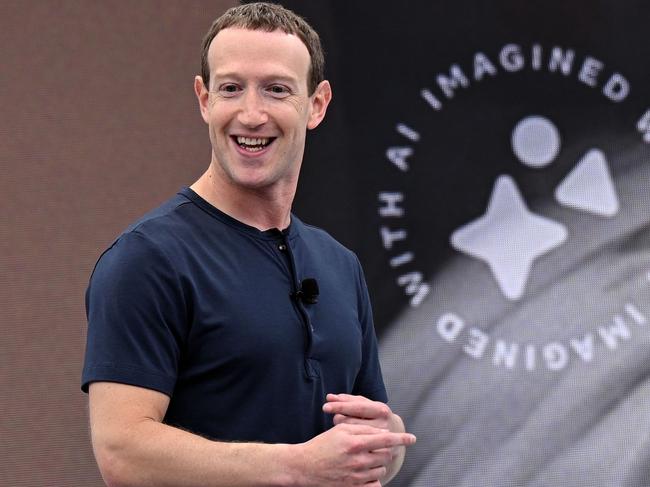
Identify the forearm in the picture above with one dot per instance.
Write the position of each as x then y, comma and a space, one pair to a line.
155, 454
135, 449
396, 425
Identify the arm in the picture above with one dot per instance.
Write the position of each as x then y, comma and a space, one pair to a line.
359, 410
134, 448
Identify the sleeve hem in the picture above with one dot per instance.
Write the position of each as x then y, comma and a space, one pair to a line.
124, 375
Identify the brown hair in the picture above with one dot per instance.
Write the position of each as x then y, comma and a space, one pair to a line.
268, 17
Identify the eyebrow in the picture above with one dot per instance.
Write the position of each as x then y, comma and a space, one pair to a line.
265, 79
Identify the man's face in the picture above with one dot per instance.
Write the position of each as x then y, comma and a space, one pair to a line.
258, 108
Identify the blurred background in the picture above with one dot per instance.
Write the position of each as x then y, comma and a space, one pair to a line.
485, 160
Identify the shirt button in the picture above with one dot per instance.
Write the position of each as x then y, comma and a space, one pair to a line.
282, 248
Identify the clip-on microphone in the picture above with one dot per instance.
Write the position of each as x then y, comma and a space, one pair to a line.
308, 292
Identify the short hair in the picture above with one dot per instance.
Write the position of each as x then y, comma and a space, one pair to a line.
268, 17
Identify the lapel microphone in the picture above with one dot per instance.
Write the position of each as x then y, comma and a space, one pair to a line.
308, 291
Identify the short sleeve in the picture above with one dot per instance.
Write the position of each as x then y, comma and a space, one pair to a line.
136, 317
369, 382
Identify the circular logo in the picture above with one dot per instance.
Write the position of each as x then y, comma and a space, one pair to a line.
497, 253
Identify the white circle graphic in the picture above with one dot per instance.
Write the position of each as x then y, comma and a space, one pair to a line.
535, 141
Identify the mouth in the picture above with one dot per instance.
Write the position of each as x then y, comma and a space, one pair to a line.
253, 144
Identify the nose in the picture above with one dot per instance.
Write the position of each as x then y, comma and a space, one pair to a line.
252, 112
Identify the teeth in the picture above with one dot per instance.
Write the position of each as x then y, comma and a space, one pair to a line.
252, 141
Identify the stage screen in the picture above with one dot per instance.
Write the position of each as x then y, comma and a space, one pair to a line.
490, 164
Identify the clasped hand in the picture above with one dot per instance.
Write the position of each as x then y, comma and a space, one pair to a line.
361, 446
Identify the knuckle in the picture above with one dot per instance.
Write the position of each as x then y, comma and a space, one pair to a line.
384, 410
358, 477
354, 445
387, 457
357, 464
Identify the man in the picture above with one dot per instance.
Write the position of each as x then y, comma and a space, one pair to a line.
229, 343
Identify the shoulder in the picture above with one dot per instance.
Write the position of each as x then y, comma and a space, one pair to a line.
176, 223
173, 216
329, 256
316, 237
152, 238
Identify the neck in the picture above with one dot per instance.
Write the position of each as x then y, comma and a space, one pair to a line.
262, 208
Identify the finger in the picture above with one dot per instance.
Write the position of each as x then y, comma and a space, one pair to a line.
369, 477
358, 409
375, 423
364, 466
381, 457
389, 452
360, 429
346, 397
383, 440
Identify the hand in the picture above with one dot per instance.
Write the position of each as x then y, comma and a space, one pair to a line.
350, 454
359, 410
351, 409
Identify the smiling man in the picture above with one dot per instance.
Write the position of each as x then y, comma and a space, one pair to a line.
230, 344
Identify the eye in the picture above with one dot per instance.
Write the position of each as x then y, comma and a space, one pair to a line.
279, 91
228, 89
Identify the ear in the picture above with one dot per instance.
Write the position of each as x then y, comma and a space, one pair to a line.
202, 96
319, 101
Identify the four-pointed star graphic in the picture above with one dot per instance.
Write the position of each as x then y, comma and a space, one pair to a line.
509, 237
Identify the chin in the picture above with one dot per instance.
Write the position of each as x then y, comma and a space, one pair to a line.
253, 182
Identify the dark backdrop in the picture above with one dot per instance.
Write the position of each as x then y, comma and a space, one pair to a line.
511, 292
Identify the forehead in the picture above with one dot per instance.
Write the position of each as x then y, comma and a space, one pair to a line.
245, 52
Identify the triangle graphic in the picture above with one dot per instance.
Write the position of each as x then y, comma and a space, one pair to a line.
589, 186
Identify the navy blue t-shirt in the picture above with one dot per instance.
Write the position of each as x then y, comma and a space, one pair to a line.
197, 305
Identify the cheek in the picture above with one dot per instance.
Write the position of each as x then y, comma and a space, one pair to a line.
294, 121
216, 124
297, 105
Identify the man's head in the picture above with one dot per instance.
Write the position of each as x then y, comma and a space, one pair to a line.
268, 17
257, 100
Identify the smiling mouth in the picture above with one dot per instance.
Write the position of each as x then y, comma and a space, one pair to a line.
253, 144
